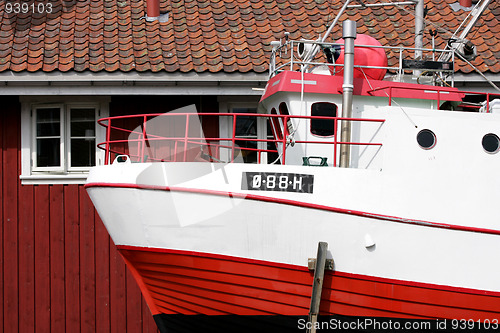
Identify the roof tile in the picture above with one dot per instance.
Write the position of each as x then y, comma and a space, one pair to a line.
202, 35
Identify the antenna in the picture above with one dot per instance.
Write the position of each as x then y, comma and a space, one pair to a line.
312, 53
315, 48
461, 45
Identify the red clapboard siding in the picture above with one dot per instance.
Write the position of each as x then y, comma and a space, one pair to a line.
2, 144
102, 287
10, 218
42, 257
27, 261
59, 270
57, 291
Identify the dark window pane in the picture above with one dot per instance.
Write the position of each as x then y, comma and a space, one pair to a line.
82, 114
48, 122
82, 152
323, 127
284, 109
246, 126
83, 129
82, 122
48, 152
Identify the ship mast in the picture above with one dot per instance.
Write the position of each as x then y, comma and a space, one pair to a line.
419, 29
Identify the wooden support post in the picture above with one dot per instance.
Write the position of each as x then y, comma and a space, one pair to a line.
319, 273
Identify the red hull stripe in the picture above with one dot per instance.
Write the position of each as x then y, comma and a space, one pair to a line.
250, 196
184, 282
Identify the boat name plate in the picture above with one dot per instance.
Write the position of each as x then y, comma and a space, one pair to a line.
275, 181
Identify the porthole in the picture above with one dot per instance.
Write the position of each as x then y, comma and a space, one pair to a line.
426, 139
491, 143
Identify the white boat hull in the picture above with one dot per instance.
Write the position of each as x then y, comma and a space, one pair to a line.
196, 216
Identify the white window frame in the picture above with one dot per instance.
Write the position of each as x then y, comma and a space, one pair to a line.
65, 173
34, 110
227, 105
68, 152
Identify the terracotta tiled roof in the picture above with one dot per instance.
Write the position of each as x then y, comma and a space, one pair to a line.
207, 36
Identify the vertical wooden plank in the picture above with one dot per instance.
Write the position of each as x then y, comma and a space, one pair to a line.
149, 325
134, 308
102, 241
26, 259
57, 260
10, 182
72, 258
145, 316
42, 259
117, 291
87, 263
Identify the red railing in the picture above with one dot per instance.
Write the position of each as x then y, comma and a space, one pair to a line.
442, 94
179, 137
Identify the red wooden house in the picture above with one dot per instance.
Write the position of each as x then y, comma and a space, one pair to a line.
65, 64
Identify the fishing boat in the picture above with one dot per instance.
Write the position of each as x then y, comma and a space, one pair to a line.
371, 195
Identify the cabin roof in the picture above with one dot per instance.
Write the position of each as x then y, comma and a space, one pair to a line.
209, 36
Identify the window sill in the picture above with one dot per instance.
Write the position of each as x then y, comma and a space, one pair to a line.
80, 178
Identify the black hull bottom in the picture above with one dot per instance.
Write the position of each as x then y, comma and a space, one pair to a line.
177, 323
228, 323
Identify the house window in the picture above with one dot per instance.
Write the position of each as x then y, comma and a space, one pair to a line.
246, 130
250, 131
59, 141
82, 127
48, 138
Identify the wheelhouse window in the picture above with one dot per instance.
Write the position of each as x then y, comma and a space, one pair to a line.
276, 125
323, 126
59, 141
283, 109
